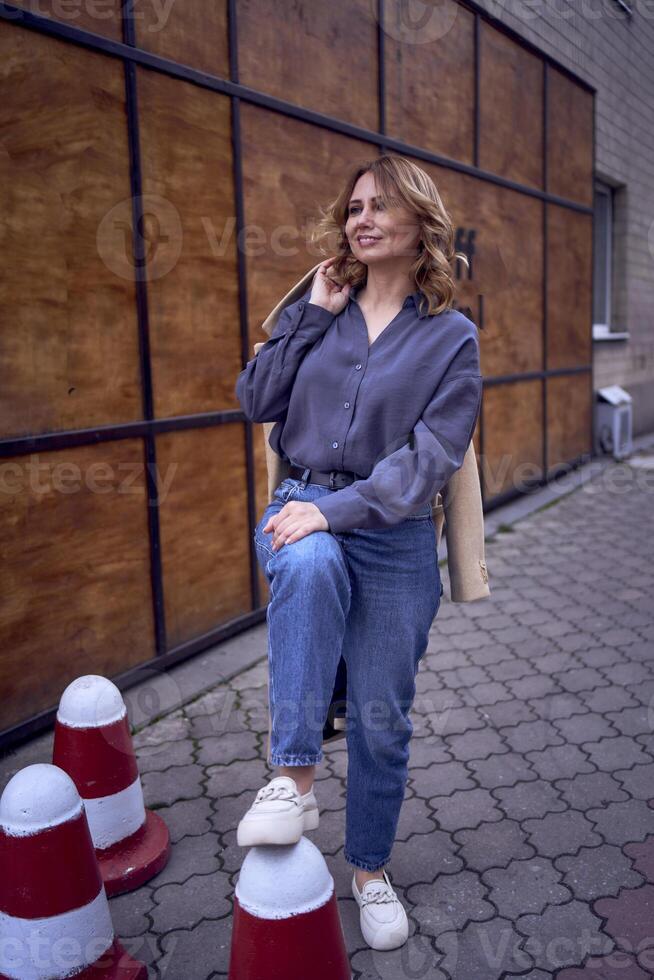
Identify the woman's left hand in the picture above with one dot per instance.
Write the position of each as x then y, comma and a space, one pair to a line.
295, 520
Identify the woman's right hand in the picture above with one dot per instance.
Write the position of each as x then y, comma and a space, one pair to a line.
325, 292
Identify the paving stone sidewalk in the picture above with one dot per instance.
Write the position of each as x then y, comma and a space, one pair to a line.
526, 841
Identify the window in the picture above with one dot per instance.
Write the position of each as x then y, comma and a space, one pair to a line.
609, 273
602, 256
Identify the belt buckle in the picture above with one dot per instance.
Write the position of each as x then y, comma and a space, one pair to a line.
331, 479
305, 477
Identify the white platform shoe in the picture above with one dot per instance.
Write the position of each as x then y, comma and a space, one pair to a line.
280, 814
383, 920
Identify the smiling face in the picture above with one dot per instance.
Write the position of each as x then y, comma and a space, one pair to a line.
377, 234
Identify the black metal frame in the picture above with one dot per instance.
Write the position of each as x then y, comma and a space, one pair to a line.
545, 177
149, 446
149, 427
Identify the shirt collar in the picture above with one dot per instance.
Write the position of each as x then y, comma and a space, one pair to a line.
414, 298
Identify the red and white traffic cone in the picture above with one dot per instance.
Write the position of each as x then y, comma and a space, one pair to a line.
286, 924
93, 744
54, 913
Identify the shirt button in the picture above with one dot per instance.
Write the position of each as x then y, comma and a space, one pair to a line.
358, 367
346, 405
334, 445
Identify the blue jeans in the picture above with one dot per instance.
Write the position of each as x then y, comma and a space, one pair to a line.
371, 596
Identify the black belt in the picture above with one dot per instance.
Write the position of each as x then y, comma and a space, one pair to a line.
334, 479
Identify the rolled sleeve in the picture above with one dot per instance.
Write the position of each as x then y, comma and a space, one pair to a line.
404, 480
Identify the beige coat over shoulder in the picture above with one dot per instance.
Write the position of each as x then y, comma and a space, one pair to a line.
457, 507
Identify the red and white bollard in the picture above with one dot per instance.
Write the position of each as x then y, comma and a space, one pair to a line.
93, 744
286, 924
54, 913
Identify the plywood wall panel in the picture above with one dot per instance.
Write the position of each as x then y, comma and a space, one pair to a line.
569, 297
322, 56
510, 108
569, 406
504, 288
193, 284
69, 355
74, 571
204, 529
569, 138
102, 18
513, 436
193, 32
429, 77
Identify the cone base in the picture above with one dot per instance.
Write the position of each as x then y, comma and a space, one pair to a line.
114, 964
129, 863
280, 949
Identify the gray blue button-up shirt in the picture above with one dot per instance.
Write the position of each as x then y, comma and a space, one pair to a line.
399, 412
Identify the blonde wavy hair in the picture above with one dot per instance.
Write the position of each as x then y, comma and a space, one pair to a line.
401, 182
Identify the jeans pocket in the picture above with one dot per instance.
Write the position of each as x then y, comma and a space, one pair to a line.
263, 552
286, 489
263, 541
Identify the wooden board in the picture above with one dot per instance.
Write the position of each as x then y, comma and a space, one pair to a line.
70, 351
570, 138
75, 572
504, 288
204, 530
513, 436
429, 76
193, 32
569, 296
569, 407
192, 244
322, 56
511, 108
102, 18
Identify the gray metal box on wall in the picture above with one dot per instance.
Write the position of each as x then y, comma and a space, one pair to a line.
613, 422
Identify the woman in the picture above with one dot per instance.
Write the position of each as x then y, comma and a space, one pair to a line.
374, 381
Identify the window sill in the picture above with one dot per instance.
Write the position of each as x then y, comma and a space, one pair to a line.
602, 332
